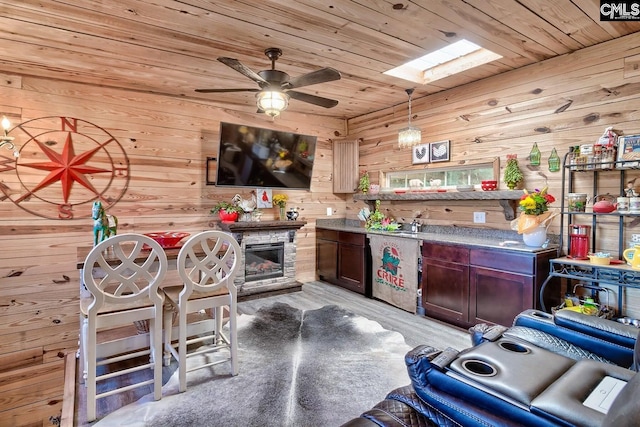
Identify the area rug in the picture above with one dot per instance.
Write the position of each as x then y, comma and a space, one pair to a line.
296, 368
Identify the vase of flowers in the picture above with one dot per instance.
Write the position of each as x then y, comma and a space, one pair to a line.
280, 200
535, 217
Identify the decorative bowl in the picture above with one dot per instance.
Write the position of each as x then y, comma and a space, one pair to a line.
489, 185
600, 258
464, 187
167, 239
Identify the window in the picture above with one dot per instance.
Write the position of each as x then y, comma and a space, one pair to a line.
449, 177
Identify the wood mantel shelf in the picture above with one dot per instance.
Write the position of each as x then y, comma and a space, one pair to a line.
240, 226
508, 199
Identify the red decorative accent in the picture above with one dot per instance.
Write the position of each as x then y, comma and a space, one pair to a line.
228, 216
66, 168
167, 239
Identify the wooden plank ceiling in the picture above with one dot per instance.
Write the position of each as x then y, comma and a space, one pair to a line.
170, 47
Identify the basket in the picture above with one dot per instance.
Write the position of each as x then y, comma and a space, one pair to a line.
587, 305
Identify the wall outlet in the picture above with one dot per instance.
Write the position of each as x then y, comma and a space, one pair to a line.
479, 217
329, 211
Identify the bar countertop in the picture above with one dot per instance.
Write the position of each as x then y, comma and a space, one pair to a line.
468, 236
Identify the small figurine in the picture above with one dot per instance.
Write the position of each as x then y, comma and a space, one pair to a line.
292, 215
632, 188
104, 226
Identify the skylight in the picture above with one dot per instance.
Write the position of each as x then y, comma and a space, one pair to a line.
451, 59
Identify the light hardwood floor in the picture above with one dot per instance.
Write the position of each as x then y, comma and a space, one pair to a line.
415, 329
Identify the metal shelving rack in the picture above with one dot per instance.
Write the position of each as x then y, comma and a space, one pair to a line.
617, 275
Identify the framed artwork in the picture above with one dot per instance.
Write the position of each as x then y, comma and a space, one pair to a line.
629, 149
264, 198
439, 151
420, 154
212, 163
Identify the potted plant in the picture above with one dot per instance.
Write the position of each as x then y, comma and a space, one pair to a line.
364, 183
512, 173
228, 212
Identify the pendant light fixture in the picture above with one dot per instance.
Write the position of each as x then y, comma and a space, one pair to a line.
411, 135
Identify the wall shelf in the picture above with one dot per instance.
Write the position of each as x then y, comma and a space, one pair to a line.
508, 199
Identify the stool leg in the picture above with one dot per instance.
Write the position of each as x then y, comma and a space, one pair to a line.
168, 326
84, 325
91, 342
182, 346
156, 352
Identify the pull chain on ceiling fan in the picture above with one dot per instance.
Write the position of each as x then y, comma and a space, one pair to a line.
276, 86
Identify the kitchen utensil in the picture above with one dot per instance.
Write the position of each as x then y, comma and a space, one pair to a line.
604, 203
579, 241
633, 257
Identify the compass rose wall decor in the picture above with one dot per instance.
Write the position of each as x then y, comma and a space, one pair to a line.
65, 164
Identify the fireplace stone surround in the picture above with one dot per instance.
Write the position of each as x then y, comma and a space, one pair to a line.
260, 233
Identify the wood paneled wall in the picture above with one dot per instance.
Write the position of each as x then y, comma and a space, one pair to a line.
167, 141
562, 102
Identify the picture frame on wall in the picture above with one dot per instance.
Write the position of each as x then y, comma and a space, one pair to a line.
628, 150
264, 198
439, 151
420, 154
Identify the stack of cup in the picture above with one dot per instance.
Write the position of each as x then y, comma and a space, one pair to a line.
622, 204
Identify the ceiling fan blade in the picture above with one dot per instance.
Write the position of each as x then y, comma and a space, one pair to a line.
312, 99
243, 69
312, 78
226, 90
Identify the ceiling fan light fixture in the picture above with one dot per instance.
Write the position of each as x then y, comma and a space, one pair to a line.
411, 135
272, 102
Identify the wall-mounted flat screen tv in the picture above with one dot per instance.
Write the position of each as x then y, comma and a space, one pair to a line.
255, 157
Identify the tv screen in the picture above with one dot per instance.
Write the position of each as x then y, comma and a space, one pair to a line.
255, 157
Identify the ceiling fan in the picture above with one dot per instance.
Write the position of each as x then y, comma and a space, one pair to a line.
276, 86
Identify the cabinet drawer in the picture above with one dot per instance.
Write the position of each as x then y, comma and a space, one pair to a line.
451, 253
352, 238
501, 260
327, 234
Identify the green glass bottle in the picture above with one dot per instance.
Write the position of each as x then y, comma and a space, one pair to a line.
554, 161
534, 155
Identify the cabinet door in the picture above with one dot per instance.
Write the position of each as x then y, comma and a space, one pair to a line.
445, 290
498, 296
345, 166
327, 260
351, 267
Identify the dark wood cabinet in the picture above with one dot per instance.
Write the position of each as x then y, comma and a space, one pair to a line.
498, 296
445, 282
466, 286
344, 259
326, 259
